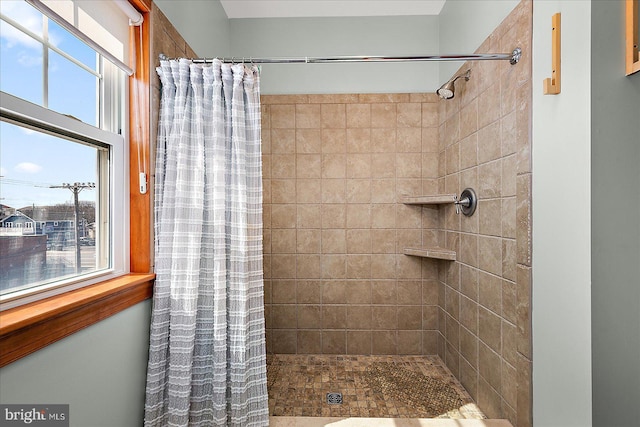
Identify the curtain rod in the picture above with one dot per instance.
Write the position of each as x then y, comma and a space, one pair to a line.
512, 57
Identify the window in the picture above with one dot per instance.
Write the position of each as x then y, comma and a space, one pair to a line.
63, 157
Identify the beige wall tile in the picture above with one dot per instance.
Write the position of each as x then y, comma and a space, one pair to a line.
283, 191
333, 191
409, 342
358, 266
409, 114
334, 316
490, 367
308, 141
333, 292
384, 317
383, 115
489, 143
284, 341
308, 241
334, 342
334, 215
358, 241
307, 116
334, 267
469, 347
488, 105
309, 342
358, 292
383, 140
489, 214
309, 291
283, 117
383, 241
308, 216
283, 316
359, 317
283, 240
384, 342
358, 342
334, 140
358, 191
309, 316
359, 140
358, 216
358, 165
308, 266
490, 292
334, 166
358, 116
409, 140
307, 166
333, 116
383, 266
410, 317
490, 329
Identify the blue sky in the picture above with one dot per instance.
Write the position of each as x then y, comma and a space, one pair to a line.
31, 161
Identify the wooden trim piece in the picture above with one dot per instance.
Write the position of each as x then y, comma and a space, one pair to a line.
28, 328
552, 84
141, 5
632, 28
139, 143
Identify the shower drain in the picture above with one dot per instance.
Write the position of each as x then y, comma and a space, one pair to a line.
334, 398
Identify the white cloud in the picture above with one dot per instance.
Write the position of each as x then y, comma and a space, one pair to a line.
28, 167
3, 171
26, 16
29, 60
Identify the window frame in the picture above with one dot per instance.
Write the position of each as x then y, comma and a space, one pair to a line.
31, 327
17, 111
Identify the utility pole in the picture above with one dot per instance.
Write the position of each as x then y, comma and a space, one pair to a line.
76, 188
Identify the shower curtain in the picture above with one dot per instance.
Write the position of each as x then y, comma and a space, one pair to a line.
207, 362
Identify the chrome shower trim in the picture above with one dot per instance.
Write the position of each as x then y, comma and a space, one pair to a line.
515, 56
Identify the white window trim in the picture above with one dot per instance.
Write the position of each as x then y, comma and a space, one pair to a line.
17, 110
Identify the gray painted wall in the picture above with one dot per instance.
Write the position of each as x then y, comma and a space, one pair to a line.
203, 24
100, 372
615, 239
465, 24
282, 37
461, 28
561, 153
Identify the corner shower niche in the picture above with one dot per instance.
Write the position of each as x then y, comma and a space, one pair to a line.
433, 252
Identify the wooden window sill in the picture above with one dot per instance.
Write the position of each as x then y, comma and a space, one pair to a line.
28, 328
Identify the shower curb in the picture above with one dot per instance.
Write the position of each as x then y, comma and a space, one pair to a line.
382, 422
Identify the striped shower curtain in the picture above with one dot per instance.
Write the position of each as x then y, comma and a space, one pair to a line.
207, 361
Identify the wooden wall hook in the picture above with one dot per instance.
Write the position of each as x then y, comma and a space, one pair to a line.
552, 84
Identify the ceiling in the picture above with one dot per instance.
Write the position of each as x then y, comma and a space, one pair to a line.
319, 8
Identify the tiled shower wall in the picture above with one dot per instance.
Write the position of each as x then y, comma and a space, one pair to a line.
335, 166
485, 296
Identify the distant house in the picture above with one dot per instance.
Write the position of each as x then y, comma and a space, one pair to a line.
15, 223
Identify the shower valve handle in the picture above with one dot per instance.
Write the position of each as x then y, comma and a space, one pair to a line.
466, 203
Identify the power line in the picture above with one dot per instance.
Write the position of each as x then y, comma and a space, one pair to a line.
76, 188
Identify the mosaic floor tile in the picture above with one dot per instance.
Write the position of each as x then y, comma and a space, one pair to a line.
371, 386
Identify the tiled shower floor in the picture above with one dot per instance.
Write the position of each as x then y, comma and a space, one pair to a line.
298, 385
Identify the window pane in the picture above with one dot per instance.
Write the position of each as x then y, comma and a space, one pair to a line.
72, 90
26, 16
50, 190
21, 55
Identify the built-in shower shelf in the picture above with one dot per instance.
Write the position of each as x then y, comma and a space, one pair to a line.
437, 199
431, 252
